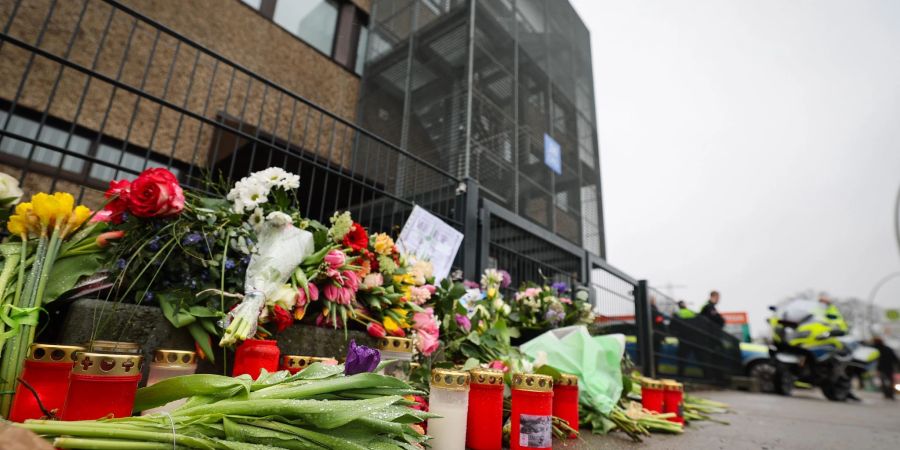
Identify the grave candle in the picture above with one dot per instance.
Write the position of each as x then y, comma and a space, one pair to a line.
449, 399
254, 355
532, 408
47, 368
102, 384
673, 399
484, 427
169, 363
400, 352
565, 400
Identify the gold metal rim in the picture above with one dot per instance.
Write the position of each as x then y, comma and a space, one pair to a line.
101, 346
395, 344
54, 353
532, 382
450, 379
107, 364
483, 376
173, 357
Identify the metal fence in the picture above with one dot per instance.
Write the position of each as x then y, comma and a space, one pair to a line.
93, 90
690, 346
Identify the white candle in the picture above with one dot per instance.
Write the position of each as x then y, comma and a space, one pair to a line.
168, 364
449, 399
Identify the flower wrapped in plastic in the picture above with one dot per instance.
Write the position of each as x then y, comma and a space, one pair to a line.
279, 250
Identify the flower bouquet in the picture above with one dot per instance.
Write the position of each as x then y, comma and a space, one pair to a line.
56, 247
196, 256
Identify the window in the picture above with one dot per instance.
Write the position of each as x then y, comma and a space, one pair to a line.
55, 133
314, 21
336, 28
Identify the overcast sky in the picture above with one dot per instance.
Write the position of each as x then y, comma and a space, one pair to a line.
749, 146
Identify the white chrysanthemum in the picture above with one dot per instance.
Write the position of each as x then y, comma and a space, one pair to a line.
279, 219
256, 219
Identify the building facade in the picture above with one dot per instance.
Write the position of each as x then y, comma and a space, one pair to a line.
500, 91
481, 111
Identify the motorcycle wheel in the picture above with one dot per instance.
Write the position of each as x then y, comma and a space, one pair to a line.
764, 373
837, 390
784, 380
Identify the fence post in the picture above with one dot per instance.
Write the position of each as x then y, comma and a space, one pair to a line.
644, 321
471, 230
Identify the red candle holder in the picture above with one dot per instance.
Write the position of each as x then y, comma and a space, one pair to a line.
532, 410
102, 385
565, 400
652, 395
253, 355
47, 369
484, 422
673, 400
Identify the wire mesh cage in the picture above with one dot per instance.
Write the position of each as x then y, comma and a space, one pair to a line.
92, 91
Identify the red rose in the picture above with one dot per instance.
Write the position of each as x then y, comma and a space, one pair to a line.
119, 191
281, 318
155, 193
357, 238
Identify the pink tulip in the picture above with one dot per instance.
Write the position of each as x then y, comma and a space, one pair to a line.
335, 259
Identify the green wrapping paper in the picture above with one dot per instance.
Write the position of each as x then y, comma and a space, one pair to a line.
596, 360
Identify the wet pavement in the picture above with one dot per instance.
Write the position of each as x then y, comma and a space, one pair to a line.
763, 422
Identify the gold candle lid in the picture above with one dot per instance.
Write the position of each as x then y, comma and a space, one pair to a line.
650, 383
107, 364
112, 347
395, 344
671, 385
566, 379
174, 357
532, 382
492, 377
301, 362
450, 379
53, 352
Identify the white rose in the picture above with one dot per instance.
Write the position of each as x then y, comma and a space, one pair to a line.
9, 189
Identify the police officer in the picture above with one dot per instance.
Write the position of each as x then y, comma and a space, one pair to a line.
710, 312
683, 311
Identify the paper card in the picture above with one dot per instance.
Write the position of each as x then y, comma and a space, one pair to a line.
428, 238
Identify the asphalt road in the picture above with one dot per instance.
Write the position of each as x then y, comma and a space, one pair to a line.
759, 421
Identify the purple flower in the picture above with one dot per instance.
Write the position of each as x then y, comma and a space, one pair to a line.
506, 280
554, 317
464, 322
560, 287
361, 359
471, 285
153, 245
229, 264
191, 239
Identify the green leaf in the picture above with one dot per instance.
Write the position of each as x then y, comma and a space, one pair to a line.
67, 271
202, 339
471, 363
174, 388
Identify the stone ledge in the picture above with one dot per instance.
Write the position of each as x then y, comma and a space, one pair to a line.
148, 326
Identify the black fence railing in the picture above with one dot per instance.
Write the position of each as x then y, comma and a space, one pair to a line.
92, 91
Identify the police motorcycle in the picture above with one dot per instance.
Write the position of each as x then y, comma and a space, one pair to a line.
810, 345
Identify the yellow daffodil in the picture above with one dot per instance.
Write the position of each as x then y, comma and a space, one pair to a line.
384, 245
18, 226
79, 215
19, 223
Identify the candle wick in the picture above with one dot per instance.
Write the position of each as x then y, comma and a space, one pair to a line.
37, 398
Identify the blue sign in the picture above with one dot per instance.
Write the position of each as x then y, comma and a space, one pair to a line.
552, 154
